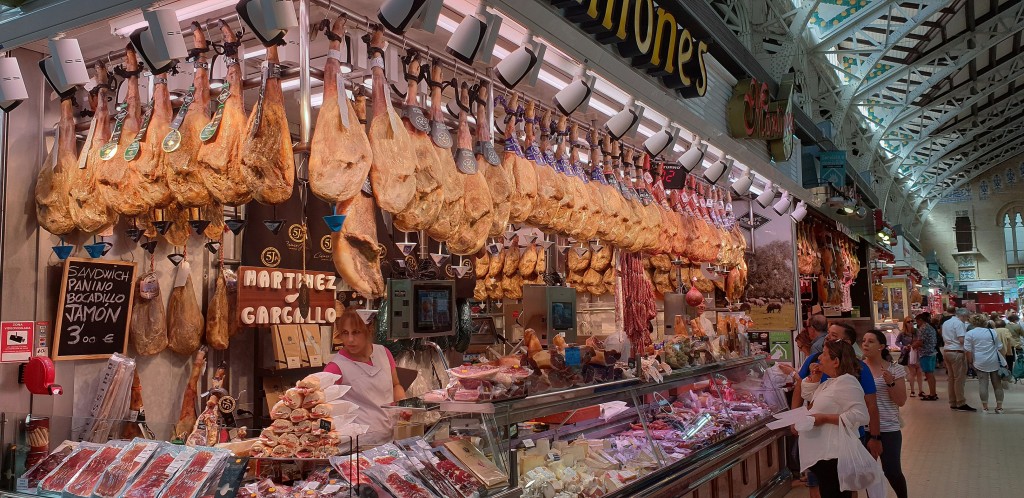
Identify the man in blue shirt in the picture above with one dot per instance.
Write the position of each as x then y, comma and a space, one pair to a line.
819, 324
845, 332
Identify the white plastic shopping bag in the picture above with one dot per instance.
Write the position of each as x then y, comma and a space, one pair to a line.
857, 469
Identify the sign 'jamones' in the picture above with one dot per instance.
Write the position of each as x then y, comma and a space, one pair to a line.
753, 114
649, 36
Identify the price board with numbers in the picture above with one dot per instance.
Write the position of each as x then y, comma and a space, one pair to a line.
95, 309
673, 176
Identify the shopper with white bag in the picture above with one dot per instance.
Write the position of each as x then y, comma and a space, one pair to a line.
829, 443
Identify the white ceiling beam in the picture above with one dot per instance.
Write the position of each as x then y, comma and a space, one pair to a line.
857, 21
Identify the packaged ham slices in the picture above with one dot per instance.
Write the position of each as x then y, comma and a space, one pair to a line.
399, 482
127, 464
194, 477
54, 482
163, 465
86, 479
30, 479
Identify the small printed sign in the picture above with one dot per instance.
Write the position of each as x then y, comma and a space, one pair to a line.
17, 343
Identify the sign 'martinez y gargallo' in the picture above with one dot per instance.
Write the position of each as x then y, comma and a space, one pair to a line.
649, 36
753, 114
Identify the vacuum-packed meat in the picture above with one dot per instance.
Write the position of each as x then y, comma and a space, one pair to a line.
32, 476
193, 477
128, 463
148, 328
82, 484
161, 468
53, 484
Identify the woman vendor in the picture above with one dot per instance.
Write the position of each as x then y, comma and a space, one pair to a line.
370, 369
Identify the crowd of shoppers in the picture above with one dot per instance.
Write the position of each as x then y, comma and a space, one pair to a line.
844, 388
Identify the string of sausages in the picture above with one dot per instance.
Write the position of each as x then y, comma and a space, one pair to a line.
638, 304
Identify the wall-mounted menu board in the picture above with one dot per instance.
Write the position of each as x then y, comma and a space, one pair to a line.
95, 309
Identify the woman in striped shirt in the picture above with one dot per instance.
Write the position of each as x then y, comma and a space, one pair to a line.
892, 394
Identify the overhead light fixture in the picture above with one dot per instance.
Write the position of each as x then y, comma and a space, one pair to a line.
767, 196
523, 64
399, 15
693, 156
625, 121
800, 212
861, 212
160, 43
65, 68
125, 26
849, 207
782, 206
718, 170
742, 184
575, 95
476, 34
269, 20
661, 141
12, 87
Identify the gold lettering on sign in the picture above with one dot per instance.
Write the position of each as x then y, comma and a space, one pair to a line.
650, 35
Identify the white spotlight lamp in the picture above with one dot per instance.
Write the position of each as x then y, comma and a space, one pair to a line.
625, 121
476, 34
575, 96
782, 206
523, 64
160, 43
718, 170
767, 196
661, 141
693, 156
800, 212
65, 68
399, 15
268, 19
742, 184
12, 87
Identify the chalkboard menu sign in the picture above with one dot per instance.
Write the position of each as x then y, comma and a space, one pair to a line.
95, 309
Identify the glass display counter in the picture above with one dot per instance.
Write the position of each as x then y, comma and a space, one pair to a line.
698, 429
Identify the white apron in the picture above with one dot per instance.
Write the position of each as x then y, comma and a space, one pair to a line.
372, 386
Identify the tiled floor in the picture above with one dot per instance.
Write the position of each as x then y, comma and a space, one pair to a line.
954, 454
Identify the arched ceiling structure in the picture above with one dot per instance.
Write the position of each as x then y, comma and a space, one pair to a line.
925, 95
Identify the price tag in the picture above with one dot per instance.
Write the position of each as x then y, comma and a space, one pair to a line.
423, 444
146, 452
325, 425
528, 443
179, 460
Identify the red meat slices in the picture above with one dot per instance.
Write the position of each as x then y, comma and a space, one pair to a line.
55, 482
152, 479
90, 475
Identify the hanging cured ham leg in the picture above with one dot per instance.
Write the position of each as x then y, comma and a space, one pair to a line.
355, 247
392, 173
182, 142
268, 164
497, 172
151, 161
339, 158
119, 180
425, 206
476, 202
187, 415
453, 183
185, 318
524, 174
89, 210
220, 157
52, 183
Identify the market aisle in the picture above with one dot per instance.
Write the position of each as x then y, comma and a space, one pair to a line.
987, 447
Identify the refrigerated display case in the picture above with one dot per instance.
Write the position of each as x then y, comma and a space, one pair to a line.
700, 429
